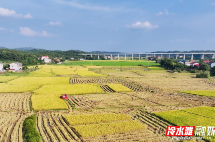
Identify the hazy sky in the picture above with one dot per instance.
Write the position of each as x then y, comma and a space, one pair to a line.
108, 25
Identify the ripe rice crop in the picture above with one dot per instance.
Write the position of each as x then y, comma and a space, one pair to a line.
45, 72
95, 118
19, 88
93, 130
71, 89
119, 88
40, 80
63, 70
209, 93
203, 110
85, 72
183, 118
4, 79
155, 68
47, 102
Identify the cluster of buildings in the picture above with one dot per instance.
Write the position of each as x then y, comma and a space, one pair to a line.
46, 59
193, 63
16, 66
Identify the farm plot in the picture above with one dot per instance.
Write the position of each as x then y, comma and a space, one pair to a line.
95, 118
48, 96
70, 89
127, 83
11, 126
4, 79
203, 111
85, 72
42, 72
63, 70
15, 102
18, 88
14, 108
173, 82
52, 127
40, 80
119, 88
102, 124
106, 102
183, 118
48, 102
209, 93
81, 102
138, 135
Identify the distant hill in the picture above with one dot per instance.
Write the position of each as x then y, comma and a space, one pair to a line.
3, 47
25, 48
104, 52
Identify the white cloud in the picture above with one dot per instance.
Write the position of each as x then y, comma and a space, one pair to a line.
55, 23
182, 40
165, 12
28, 32
212, 39
213, 4
2, 29
139, 25
85, 6
11, 13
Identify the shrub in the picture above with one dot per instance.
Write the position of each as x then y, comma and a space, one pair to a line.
30, 133
203, 74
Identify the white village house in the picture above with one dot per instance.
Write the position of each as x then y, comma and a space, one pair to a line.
1, 67
44, 57
47, 60
16, 66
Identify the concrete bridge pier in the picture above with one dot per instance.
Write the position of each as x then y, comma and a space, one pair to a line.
213, 56
91, 55
118, 56
169, 56
132, 56
98, 57
184, 57
139, 56
176, 57
203, 57
125, 56
111, 56
191, 56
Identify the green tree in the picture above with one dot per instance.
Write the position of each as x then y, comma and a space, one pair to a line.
204, 67
213, 71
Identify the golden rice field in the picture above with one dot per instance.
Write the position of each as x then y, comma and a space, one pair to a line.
40, 80
209, 93
64, 70
95, 118
48, 96
42, 72
19, 88
119, 88
70, 89
93, 130
48, 102
4, 79
185, 118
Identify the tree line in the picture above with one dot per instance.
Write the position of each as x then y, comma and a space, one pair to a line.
32, 57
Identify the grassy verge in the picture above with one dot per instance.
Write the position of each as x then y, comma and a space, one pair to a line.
30, 133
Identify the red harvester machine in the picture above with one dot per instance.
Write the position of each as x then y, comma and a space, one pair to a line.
64, 97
